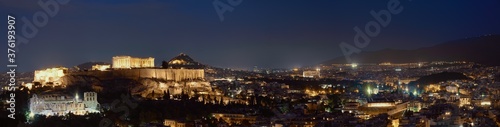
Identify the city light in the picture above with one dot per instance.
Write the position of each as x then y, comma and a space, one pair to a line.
31, 115
369, 90
354, 65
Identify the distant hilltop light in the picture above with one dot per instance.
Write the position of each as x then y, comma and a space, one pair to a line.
182, 61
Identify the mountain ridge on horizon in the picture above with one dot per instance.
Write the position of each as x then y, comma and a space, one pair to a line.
482, 50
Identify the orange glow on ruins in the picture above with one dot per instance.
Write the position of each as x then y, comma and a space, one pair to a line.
50, 75
127, 62
101, 67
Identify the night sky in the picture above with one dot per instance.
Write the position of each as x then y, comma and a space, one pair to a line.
264, 33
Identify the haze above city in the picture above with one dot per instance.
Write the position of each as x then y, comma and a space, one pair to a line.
268, 34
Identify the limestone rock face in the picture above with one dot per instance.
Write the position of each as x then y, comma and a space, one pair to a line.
138, 86
147, 87
164, 74
174, 88
79, 80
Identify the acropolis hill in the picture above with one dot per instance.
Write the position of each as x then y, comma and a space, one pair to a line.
137, 76
180, 68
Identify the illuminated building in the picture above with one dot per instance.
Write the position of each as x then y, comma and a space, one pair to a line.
234, 118
432, 88
302, 122
28, 85
59, 105
181, 68
485, 103
50, 76
173, 123
101, 67
370, 91
311, 74
452, 97
415, 106
385, 64
351, 106
127, 62
464, 100
395, 122
380, 106
452, 89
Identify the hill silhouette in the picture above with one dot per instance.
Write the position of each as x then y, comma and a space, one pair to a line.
441, 77
482, 50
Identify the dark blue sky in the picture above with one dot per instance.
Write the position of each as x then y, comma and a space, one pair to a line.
266, 33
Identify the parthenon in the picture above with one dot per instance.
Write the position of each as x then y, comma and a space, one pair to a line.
127, 62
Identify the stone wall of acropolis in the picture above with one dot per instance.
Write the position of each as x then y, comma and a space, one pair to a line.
165, 74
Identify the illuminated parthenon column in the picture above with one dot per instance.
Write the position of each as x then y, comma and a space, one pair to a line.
127, 62
121, 62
